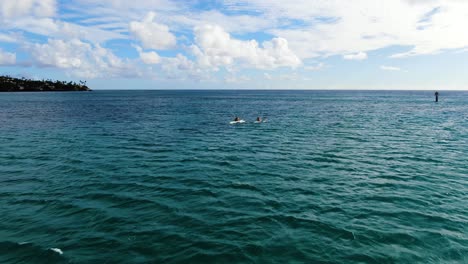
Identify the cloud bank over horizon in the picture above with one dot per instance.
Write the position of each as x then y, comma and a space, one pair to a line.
248, 42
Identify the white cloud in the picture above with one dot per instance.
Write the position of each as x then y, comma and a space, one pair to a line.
231, 23
53, 28
151, 34
390, 68
150, 57
403, 55
107, 7
80, 59
13, 9
325, 28
292, 76
355, 56
236, 79
316, 67
12, 38
215, 47
181, 68
7, 58
295, 31
338, 27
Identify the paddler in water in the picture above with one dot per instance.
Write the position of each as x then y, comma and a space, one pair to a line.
436, 96
237, 119
259, 119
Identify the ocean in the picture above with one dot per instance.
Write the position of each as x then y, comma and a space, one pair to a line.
163, 177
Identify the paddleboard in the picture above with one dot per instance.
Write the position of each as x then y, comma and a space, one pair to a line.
237, 122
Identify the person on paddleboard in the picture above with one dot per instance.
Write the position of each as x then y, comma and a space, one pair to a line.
259, 119
237, 119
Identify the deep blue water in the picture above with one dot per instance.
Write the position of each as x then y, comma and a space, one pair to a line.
162, 177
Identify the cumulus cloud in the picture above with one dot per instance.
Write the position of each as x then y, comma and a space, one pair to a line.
355, 56
7, 58
18, 8
79, 58
390, 68
182, 68
215, 47
151, 34
150, 57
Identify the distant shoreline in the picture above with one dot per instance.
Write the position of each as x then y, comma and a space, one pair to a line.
274, 90
10, 84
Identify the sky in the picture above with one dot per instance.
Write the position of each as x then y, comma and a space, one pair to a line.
244, 44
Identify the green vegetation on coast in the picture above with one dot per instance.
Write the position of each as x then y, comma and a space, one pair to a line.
10, 84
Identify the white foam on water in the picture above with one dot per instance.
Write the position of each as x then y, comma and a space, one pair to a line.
237, 122
58, 250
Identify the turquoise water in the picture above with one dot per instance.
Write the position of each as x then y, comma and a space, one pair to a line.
159, 176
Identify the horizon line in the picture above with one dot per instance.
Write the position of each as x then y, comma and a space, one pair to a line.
259, 89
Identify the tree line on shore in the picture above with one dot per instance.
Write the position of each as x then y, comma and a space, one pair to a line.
11, 84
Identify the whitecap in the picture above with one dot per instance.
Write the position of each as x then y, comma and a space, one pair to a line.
58, 250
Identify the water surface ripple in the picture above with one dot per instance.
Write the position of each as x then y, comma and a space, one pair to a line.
159, 176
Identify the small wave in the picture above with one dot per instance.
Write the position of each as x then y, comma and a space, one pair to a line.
27, 252
58, 250
244, 186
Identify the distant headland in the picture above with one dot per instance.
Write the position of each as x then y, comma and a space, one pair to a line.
10, 84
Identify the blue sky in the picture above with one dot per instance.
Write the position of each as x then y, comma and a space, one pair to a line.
245, 44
